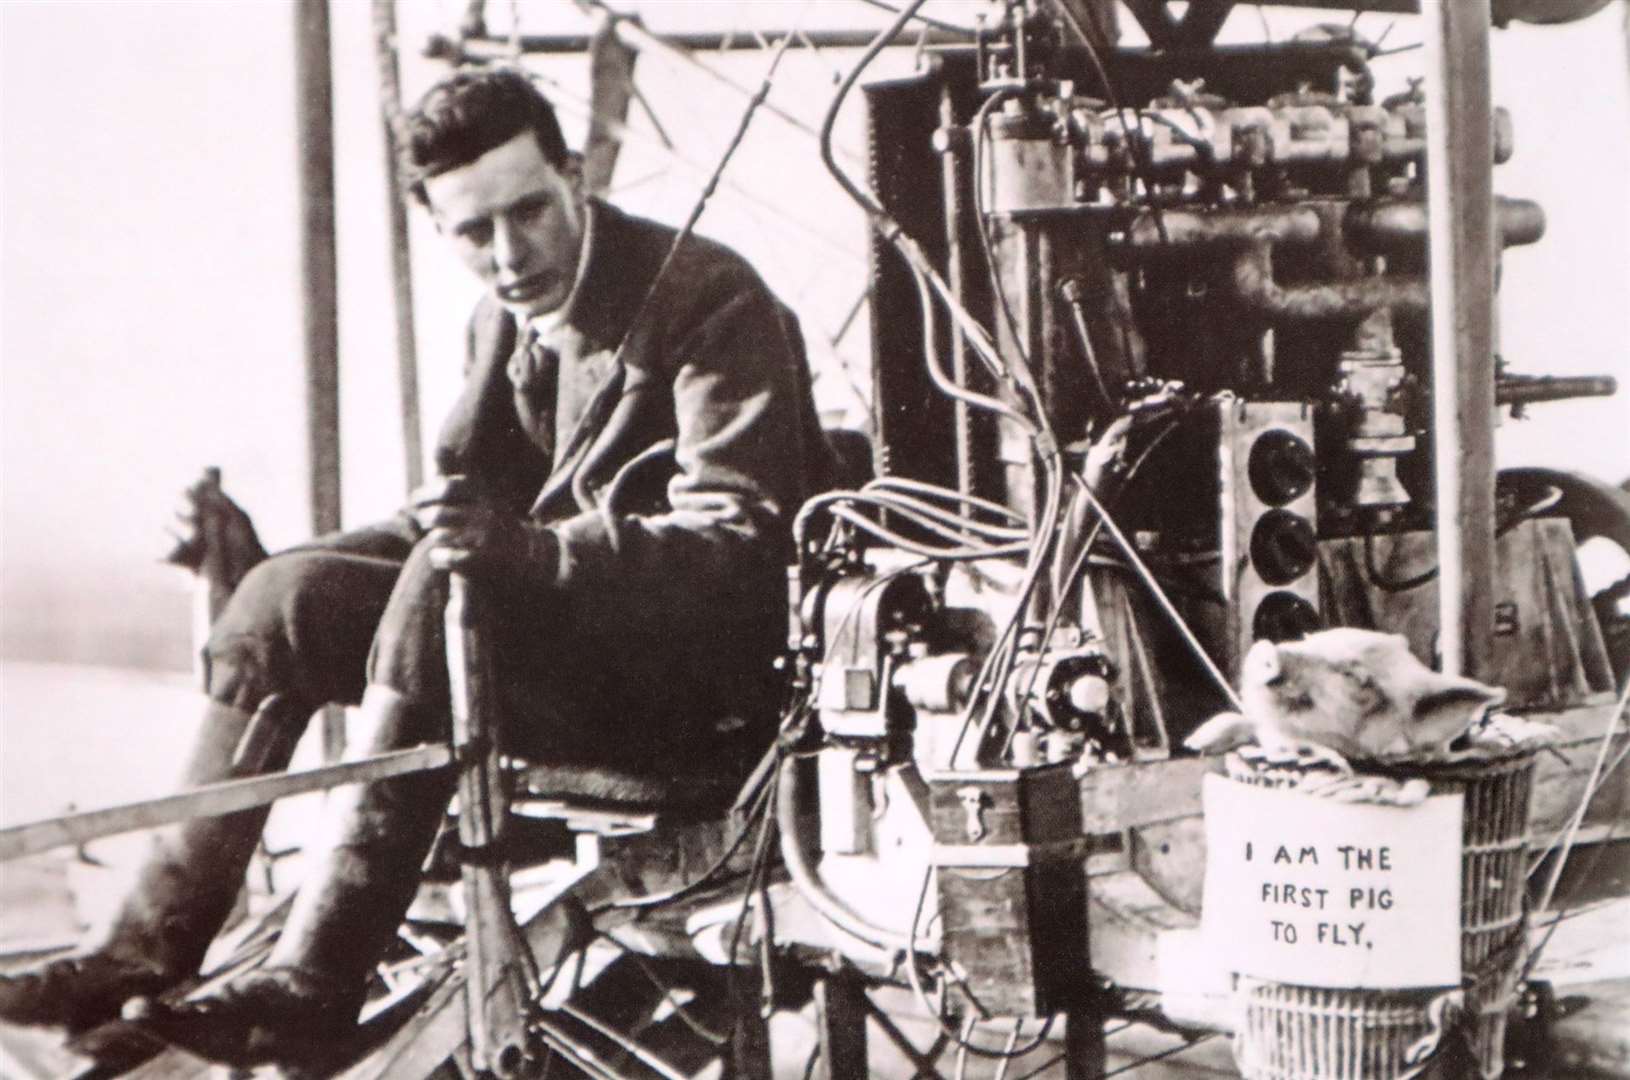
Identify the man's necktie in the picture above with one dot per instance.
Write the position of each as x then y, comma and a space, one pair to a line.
533, 370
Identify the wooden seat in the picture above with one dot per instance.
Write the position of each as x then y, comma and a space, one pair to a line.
606, 788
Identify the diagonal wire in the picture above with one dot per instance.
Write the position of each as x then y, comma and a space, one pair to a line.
660, 44
563, 95
926, 20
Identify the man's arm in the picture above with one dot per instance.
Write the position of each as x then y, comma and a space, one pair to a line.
739, 462
392, 538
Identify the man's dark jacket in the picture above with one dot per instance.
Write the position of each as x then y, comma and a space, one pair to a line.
668, 462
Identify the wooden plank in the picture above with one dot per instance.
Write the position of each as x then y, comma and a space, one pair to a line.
1115, 797
228, 796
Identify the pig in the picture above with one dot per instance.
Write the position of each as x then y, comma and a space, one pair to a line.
1347, 694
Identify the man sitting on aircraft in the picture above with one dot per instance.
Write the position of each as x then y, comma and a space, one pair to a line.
633, 436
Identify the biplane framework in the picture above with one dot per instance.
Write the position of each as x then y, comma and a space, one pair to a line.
979, 818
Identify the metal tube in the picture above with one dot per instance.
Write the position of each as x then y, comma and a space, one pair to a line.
1381, 225
1532, 389
1195, 228
314, 105
1460, 191
1253, 286
953, 168
1400, 224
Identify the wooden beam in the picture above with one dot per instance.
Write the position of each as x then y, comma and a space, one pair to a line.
401, 252
314, 111
226, 797
1156, 21
1460, 223
840, 1010
1202, 21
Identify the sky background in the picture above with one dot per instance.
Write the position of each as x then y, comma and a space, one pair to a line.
150, 320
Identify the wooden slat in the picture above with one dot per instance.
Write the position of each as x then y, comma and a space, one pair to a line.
225, 797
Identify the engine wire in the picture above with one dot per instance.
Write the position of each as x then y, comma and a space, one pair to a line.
950, 494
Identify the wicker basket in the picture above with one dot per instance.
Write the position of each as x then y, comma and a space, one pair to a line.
1304, 1033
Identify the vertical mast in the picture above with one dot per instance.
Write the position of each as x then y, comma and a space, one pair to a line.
314, 112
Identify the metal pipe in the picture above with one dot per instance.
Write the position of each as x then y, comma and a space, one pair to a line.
1381, 225
1391, 225
1532, 389
1256, 290
407, 356
798, 854
952, 144
319, 274
1194, 228
1460, 191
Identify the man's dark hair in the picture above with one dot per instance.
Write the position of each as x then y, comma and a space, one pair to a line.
474, 111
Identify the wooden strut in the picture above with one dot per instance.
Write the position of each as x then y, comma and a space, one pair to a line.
225, 797
502, 985
319, 279
1460, 222
401, 257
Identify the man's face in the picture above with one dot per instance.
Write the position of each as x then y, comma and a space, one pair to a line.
516, 221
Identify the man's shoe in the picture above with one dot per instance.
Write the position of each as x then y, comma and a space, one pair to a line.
77, 992
279, 1016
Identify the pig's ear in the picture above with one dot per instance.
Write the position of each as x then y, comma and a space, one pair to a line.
1449, 709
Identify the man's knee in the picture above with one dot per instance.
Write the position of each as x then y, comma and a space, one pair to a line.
409, 649
299, 622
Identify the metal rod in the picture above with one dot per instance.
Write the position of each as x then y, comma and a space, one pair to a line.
226, 797
488, 45
401, 253
1460, 191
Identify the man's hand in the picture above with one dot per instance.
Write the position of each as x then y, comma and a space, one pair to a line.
471, 537
211, 534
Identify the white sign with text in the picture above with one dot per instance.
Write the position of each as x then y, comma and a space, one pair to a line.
1317, 892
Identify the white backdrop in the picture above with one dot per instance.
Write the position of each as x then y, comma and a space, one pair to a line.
149, 323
